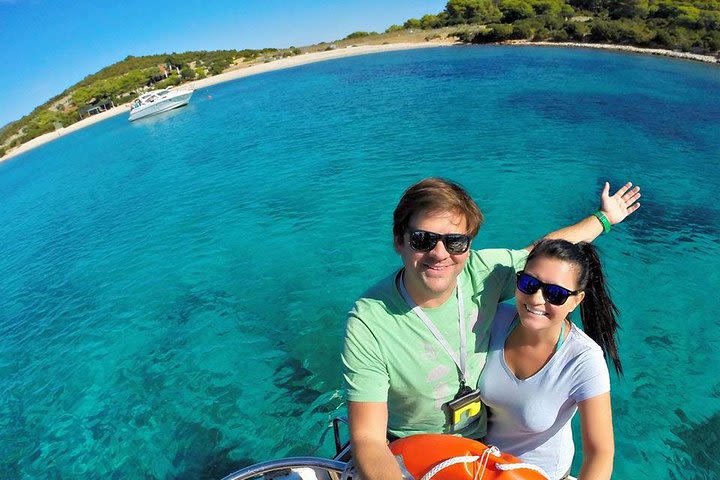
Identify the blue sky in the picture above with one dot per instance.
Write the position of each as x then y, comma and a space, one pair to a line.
49, 45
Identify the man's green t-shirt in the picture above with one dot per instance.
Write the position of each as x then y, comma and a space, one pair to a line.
391, 356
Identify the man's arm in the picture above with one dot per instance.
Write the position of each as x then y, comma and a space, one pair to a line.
368, 437
615, 208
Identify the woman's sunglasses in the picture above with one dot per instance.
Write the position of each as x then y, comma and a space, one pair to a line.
455, 243
553, 294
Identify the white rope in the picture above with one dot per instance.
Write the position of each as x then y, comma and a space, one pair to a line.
482, 464
447, 463
517, 466
479, 472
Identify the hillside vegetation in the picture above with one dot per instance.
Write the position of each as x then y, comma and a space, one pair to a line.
685, 25
123, 81
682, 25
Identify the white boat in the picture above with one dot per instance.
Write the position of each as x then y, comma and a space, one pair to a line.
159, 101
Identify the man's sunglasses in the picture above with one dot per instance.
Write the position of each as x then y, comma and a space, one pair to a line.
455, 243
553, 294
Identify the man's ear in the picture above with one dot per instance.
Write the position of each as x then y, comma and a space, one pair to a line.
397, 244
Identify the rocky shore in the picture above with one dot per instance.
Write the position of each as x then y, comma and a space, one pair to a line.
623, 48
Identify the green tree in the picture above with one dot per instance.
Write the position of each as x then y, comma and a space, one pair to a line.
495, 32
711, 41
82, 96
628, 8
625, 31
187, 73
577, 30
687, 16
550, 7
464, 35
551, 22
523, 29
471, 11
560, 36
595, 6
394, 28
710, 20
133, 80
359, 35
513, 10
430, 21
172, 80
537, 28
216, 68
412, 23
685, 38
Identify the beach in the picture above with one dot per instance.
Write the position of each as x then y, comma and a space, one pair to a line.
240, 72
306, 58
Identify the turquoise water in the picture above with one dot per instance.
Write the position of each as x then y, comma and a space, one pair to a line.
174, 290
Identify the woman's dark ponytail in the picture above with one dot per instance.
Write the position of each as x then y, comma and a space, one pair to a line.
597, 310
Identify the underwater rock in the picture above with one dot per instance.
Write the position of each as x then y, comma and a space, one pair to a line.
658, 341
698, 443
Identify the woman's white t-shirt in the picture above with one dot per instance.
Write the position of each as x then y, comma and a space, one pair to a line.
530, 418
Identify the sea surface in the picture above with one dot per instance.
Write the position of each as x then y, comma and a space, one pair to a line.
174, 290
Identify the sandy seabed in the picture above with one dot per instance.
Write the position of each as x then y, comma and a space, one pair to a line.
321, 56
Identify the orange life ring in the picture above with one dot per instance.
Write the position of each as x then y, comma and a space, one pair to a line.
473, 460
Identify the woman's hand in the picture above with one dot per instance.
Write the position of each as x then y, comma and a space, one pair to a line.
617, 207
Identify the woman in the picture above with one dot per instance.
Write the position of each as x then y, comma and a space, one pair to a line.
541, 368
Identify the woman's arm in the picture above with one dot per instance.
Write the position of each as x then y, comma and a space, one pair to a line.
615, 208
597, 438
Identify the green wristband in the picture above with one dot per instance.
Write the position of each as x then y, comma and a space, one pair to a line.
603, 220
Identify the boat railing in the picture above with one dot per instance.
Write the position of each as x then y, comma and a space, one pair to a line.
333, 469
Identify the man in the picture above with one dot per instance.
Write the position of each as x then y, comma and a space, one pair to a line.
416, 342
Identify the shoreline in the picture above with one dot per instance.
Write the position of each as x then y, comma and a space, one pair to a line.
240, 72
621, 48
307, 58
